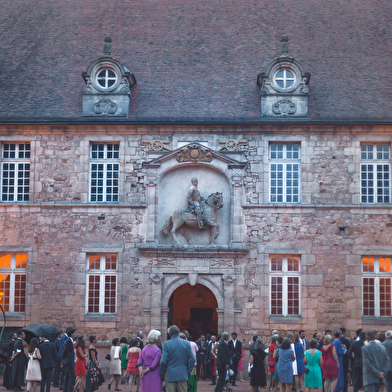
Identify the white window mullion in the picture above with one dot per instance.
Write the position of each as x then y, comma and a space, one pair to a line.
102, 293
377, 296
12, 292
285, 297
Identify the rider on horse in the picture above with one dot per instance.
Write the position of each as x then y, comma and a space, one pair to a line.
195, 202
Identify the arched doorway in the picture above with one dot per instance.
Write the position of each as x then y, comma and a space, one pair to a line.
194, 308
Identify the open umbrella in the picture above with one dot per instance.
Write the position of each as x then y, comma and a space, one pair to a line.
35, 330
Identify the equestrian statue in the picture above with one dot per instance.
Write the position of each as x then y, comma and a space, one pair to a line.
200, 214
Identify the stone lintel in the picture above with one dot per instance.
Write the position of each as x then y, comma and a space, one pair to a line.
194, 253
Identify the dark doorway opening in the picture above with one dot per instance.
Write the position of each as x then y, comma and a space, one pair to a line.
194, 308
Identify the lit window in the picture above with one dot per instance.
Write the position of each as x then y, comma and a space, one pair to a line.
285, 283
376, 286
285, 168
375, 173
13, 282
284, 78
104, 172
106, 78
15, 172
102, 283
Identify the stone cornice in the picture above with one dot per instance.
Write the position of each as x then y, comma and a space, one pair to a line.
193, 252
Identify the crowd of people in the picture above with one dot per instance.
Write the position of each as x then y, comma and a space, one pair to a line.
323, 363
292, 362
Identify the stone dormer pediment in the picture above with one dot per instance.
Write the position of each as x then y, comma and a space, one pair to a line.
197, 154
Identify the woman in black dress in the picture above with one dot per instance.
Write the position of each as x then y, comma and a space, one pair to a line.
258, 377
94, 377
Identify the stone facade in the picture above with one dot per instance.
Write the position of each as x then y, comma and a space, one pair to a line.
330, 230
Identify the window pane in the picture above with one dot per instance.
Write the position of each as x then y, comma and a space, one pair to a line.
368, 297
293, 295
384, 264
94, 262
21, 260
110, 294
367, 264
111, 262
5, 260
20, 293
93, 293
293, 263
276, 295
276, 263
5, 292
385, 297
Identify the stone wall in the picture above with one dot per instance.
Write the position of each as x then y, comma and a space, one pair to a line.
329, 229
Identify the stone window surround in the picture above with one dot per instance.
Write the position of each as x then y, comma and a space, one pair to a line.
103, 66
100, 248
307, 280
16, 161
17, 319
284, 161
104, 161
375, 162
285, 274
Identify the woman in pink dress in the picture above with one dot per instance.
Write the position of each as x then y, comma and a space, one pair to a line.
132, 358
241, 365
330, 364
148, 364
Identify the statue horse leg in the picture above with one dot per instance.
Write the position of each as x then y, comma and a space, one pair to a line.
178, 221
214, 231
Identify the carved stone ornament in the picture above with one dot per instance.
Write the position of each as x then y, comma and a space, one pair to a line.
158, 145
192, 278
284, 107
228, 279
105, 106
194, 153
156, 277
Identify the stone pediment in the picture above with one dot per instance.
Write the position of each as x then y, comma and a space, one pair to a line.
195, 153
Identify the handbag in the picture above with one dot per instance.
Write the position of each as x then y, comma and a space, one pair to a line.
306, 370
249, 367
108, 357
271, 364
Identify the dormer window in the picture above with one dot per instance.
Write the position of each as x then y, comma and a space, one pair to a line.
284, 86
106, 78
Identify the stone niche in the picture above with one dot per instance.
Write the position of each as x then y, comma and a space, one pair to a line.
168, 183
172, 195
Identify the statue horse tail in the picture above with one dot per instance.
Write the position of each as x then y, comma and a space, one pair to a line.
168, 225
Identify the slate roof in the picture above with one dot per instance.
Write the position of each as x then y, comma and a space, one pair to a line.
196, 59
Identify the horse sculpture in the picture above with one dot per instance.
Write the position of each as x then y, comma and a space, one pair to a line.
183, 217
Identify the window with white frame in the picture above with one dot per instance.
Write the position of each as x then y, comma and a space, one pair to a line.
13, 281
285, 285
104, 172
102, 283
375, 173
15, 172
285, 169
376, 286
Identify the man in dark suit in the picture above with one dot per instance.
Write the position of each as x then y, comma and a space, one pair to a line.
201, 357
222, 361
68, 361
139, 337
375, 361
7, 369
303, 341
57, 368
18, 360
63, 339
235, 348
388, 346
48, 362
355, 356
345, 341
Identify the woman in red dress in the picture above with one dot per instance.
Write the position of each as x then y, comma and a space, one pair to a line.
132, 357
330, 364
80, 364
271, 361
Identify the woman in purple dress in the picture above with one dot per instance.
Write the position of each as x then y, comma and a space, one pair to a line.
148, 364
